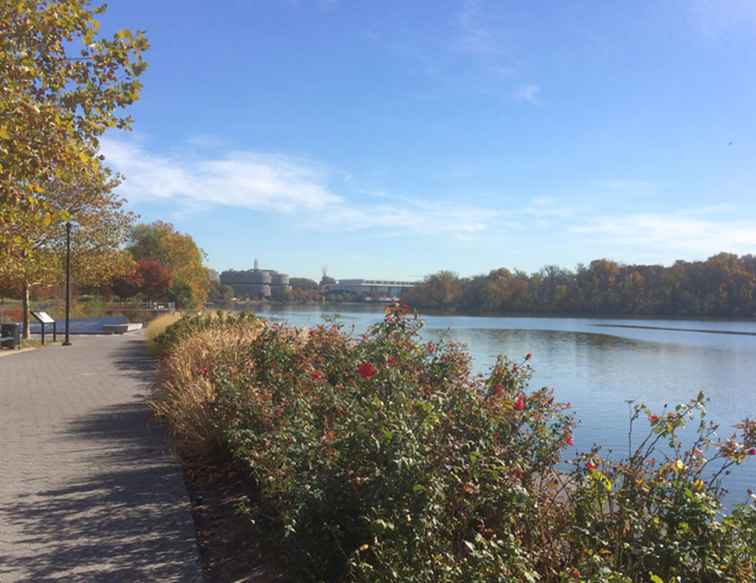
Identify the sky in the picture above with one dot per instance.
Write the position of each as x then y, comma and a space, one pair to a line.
393, 139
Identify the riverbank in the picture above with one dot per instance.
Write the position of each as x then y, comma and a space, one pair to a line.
358, 449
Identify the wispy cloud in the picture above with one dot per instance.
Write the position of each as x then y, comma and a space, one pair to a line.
304, 190
281, 184
527, 92
236, 178
715, 17
481, 34
473, 34
679, 232
417, 215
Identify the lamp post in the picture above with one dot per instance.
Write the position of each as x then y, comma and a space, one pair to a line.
67, 341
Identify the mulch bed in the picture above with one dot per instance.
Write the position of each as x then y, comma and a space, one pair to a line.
229, 547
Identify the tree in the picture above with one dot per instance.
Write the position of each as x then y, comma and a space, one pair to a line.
219, 294
156, 279
440, 290
326, 280
723, 285
102, 225
303, 283
128, 285
160, 241
62, 87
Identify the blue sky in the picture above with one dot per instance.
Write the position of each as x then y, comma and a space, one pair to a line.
394, 139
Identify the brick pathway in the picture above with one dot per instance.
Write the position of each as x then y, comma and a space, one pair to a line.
89, 490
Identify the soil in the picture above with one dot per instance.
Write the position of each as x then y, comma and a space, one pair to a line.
230, 549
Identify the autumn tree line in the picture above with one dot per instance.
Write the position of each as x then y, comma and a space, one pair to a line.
723, 285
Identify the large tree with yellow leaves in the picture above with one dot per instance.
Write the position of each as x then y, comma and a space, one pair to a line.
62, 87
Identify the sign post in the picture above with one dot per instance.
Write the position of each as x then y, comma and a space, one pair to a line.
67, 341
44, 318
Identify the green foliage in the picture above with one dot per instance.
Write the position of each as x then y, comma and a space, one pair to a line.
383, 459
220, 295
303, 283
723, 285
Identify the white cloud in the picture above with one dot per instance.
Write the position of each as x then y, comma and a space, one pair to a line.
527, 92
238, 178
280, 184
678, 232
300, 188
420, 216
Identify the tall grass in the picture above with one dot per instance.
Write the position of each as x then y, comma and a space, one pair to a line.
184, 393
157, 326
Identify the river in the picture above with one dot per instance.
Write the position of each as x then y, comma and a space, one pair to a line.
598, 364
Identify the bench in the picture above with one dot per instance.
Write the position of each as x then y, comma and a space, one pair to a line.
121, 328
10, 335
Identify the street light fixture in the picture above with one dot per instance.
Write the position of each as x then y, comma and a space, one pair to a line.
67, 341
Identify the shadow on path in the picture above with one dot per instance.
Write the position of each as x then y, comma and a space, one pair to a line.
124, 518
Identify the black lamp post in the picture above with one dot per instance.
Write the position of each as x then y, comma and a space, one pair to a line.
67, 341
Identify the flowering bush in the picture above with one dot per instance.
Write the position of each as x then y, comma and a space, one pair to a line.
383, 459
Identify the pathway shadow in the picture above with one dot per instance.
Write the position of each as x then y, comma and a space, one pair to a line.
134, 359
126, 519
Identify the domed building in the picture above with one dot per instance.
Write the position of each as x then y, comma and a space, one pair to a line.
256, 283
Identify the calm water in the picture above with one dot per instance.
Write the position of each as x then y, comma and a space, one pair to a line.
597, 367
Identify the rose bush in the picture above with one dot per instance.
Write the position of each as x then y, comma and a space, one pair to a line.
383, 458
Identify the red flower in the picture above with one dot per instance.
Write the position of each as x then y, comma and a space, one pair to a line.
366, 370
590, 466
575, 573
203, 371
391, 360
317, 375
519, 403
653, 419
498, 390
568, 441
752, 451
528, 356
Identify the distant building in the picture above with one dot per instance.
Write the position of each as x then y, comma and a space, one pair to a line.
372, 288
256, 283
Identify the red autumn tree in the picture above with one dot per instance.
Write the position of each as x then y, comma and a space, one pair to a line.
128, 286
156, 278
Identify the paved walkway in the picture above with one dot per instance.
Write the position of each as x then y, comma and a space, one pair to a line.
89, 490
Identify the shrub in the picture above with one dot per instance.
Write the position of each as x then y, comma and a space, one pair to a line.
384, 459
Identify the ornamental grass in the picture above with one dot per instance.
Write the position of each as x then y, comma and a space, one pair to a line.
383, 458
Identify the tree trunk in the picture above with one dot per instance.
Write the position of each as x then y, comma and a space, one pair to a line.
25, 306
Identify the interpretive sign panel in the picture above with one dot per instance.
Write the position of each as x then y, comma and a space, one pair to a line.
43, 317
